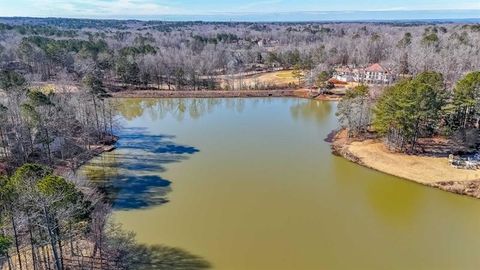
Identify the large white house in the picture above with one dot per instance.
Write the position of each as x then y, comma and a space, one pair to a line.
373, 74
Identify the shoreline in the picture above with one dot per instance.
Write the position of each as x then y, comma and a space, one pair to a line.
72, 164
298, 93
457, 181
203, 93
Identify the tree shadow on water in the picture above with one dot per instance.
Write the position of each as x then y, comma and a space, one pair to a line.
139, 159
139, 139
175, 149
126, 253
162, 257
137, 192
139, 162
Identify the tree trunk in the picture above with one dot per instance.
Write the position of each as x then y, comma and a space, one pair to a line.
59, 241
49, 152
104, 117
32, 246
96, 115
465, 121
51, 236
4, 143
46, 258
7, 254
17, 244
110, 118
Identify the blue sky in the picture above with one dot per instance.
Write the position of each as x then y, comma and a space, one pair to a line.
152, 8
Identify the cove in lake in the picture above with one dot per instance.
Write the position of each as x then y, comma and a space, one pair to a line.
251, 184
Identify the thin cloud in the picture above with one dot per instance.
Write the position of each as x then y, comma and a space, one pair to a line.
155, 8
102, 8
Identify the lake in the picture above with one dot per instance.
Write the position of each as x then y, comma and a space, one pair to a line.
251, 184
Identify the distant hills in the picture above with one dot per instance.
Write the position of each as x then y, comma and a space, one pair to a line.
393, 15
420, 16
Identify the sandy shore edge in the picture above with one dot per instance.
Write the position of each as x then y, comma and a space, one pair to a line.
444, 177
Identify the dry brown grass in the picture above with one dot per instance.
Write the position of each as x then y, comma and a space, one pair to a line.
422, 169
279, 79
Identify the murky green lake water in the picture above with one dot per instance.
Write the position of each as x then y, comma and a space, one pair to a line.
251, 184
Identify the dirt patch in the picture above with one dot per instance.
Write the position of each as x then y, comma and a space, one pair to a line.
431, 170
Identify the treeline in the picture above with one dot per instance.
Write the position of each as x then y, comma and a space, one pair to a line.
39, 30
50, 222
197, 55
420, 107
54, 128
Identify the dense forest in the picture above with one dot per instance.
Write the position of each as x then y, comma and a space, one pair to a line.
194, 55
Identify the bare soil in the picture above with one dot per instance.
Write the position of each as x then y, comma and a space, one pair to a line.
204, 93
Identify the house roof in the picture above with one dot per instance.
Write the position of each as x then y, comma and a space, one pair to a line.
343, 69
376, 68
337, 82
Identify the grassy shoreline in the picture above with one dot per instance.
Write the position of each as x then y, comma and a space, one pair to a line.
426, 170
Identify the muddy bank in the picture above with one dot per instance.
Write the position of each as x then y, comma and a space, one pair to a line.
468, 188
328, 97
340, 142
300, 93
203, 94
426, 170
70, 165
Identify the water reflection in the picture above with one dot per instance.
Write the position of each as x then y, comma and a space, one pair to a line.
130, 109
130, 175
318, 111
194, 108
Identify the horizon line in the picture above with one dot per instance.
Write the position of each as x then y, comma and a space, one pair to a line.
235, 15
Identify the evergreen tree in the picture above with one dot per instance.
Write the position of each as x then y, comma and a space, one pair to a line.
466, 101
410, 109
